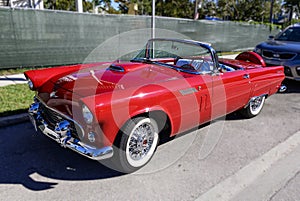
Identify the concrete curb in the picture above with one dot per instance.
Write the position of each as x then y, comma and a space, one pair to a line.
6, 80
14, 119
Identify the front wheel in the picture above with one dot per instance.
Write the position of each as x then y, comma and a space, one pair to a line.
138, 141
254, 107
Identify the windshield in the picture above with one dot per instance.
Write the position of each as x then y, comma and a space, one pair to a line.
291, 34
188, 56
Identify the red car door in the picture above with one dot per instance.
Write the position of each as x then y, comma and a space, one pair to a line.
195, 101
231, 91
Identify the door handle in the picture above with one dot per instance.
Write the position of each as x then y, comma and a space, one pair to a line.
246, 76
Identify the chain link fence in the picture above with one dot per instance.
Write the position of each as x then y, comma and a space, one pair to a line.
46, 38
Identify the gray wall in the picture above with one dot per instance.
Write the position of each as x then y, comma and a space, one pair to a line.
45, 37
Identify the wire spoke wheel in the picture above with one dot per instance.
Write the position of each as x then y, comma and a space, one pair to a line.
256, 104
142, 142
254, 107
138, 143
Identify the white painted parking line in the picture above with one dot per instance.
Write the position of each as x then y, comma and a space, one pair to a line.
273, 180
257, 180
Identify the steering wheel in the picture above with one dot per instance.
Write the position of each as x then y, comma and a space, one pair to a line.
176, 59
203, 67
188, 67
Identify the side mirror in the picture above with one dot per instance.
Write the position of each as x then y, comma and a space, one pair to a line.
271, 37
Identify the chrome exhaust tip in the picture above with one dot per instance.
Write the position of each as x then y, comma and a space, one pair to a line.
282, 88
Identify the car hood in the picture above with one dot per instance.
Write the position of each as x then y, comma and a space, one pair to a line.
120, 76
280, 46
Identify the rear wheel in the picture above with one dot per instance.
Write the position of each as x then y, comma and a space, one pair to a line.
138, 141
254, 107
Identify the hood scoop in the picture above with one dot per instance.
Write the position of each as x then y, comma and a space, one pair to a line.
116, 68
127, 67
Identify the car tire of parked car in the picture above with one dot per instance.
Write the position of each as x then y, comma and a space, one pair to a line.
254, 107
137, 144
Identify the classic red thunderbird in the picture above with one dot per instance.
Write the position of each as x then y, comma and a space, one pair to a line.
120, 110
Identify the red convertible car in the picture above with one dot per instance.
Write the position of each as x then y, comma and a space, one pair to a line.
120, 110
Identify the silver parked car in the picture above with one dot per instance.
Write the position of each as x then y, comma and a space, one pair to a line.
283, 49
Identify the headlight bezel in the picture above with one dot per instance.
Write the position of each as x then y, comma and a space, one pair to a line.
258, 50
87, 114
30, 84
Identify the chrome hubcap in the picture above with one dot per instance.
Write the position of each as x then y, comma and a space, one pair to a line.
255, 104
141, 141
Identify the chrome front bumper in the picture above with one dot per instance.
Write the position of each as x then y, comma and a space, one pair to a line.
62, 134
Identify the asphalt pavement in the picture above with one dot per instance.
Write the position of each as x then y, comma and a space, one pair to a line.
235, 159
12, 79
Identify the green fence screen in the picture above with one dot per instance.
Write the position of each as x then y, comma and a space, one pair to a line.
46, 38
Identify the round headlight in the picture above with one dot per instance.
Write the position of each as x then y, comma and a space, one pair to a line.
87, 115
30, 84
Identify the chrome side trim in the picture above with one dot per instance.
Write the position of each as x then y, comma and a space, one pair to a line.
188, 91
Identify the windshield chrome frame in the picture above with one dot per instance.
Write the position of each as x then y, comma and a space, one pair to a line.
191, 42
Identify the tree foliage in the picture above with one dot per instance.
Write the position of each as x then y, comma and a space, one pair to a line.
240, 10
105, 5
293, 4
69, 5
170, 8
256, 10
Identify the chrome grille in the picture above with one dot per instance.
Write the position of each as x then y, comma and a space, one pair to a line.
278, 55
52, 118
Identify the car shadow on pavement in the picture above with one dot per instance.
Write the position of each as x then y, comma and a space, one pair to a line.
39, 163
292, 86
24, 153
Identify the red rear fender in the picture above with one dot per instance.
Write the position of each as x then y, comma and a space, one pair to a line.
251, 57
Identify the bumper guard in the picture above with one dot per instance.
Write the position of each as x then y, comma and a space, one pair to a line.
62, 135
